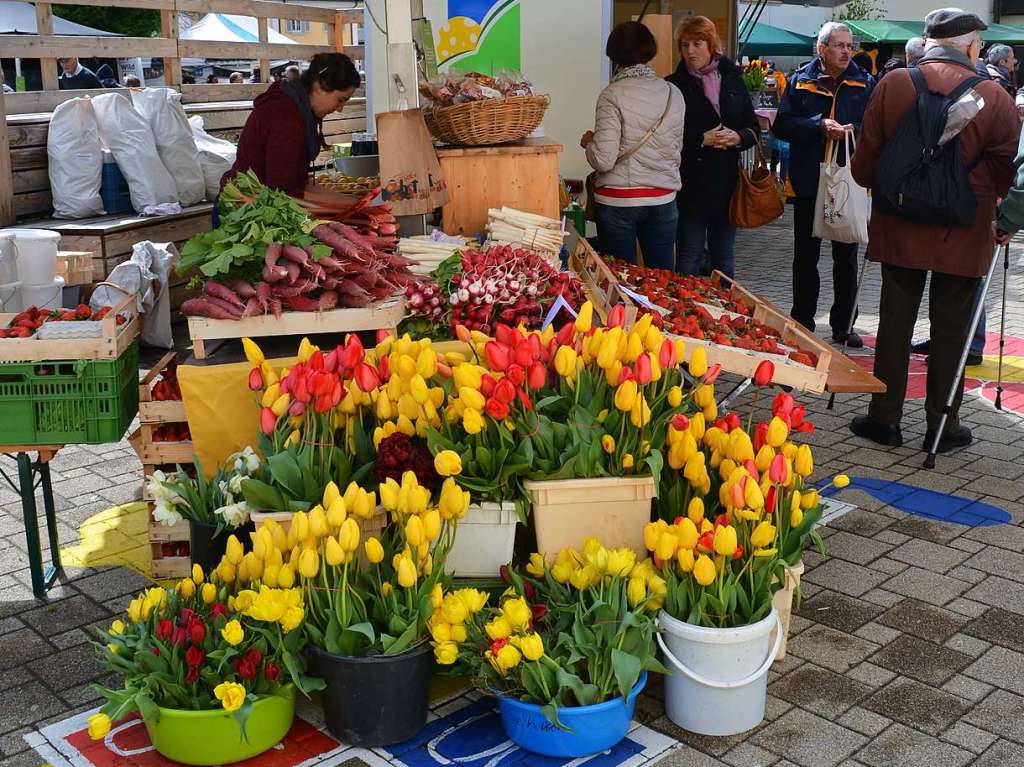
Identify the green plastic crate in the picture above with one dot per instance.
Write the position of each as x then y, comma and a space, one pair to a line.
68, 402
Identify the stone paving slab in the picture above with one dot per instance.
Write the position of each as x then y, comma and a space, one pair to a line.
908, 648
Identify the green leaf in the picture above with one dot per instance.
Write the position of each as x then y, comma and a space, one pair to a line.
627, 670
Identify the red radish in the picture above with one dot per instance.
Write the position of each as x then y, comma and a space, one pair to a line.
242, 288
293, 271
274, 273
215, 289
263, 296
295, 254
252, 308
227, 306
301, 304
272, 255
275, 307
328, 300
200, 307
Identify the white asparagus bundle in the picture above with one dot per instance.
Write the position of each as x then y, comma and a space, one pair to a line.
429, 253
521, 228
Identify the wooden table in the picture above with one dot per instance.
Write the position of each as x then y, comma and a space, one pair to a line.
28, 471
523, 175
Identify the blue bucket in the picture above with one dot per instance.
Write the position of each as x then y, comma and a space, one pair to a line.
592, 729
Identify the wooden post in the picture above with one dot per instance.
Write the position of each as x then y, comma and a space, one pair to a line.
44, 26
261, 23
169, 29
336, 33
6, 179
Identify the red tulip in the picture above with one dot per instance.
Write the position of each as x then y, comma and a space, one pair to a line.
527, 404
797, 416
680, 422
539, 610
352, 353
713, 372
706, 542
522, 354
505, 335
778, 472
565, 334
516, 374
752, 470
733, 420
164, 629
617, 316
383, 334
322, 403
722, 520
760, 436
197, 632
738, 554
271, 672
505, 391
497, 644
497, 355
537, 376
322, 383
764, 373
331, 361
722, 424
626, 374
496, 409
316, 360
218, 610
195, 656
505, 573
268, 421
462, 333
255, 379
192, 676
384, 368
487, 384
536, 347
667, 354
771, 498
254, 655
366, 377
806, 427
302, 392
297, 408
337, 393
245, 669
643, 369
783, 403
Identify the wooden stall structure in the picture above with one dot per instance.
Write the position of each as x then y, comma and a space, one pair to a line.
24, 180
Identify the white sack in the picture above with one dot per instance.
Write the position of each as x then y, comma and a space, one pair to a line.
216, 156
75, 160
162, 109
841, 207
127, 134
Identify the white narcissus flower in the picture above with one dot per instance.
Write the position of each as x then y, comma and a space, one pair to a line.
246, 462
235, 484
235, 514
166, 514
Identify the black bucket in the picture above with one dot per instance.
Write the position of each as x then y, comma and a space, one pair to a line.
206, 546
378, 700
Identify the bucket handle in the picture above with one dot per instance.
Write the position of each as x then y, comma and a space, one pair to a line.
700, 679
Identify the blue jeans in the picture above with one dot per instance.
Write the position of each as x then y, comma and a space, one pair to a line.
714, 232
618, 230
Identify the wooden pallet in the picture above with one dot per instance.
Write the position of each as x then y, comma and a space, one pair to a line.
113, 341
384, 314
75, 267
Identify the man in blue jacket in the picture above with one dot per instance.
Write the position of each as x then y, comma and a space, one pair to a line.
824, 99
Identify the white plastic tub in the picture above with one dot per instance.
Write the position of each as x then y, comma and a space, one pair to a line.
36, 254
48, 296
8, 260
484, 541
10, 297
719, 679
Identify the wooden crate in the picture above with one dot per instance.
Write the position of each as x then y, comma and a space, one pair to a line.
75, 267
113, 341
384, 314
168, 567
600, 282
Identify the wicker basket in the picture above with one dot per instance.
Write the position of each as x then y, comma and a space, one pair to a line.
491, 121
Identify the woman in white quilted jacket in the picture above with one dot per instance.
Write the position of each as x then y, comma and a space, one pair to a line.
634, 149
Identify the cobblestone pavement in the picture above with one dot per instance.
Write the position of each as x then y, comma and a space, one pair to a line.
908, 649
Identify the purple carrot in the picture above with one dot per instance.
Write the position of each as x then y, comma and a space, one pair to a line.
201, 307
289, 291
227, 306
242, 288
295, 254
275, 307
252, 308
328, 300
293, 271
272, 255
263, 296
274, 273
301, 304
222, 292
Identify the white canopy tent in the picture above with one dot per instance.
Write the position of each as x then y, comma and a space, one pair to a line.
20, 19
228, 28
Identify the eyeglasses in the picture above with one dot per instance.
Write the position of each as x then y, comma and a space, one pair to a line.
841, 46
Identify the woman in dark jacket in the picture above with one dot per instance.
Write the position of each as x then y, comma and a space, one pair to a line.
720, 123
285, 131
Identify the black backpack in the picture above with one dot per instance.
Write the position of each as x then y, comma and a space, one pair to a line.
915, 178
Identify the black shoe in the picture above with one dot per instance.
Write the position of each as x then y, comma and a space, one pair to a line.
975, 359
951, 439
925, 347
881, 433
852, 341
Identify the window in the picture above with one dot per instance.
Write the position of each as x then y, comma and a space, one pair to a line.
297, 26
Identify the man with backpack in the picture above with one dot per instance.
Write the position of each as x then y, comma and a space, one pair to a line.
933, 208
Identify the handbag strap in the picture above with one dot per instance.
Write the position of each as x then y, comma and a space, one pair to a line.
650, 134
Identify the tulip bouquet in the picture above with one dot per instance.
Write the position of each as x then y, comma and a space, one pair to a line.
575, 633
203, 645
740, 512
216, 501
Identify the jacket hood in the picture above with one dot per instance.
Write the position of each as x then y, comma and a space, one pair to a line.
813, 70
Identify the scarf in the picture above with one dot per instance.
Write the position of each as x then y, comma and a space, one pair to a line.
296, 91
638, 71
942, 53
711, 80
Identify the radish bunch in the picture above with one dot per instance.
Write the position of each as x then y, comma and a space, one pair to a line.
501, 284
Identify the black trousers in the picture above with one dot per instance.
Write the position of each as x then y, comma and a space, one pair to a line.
807, 284
950, 302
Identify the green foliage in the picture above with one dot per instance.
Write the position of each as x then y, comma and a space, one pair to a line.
125, 21
860, 9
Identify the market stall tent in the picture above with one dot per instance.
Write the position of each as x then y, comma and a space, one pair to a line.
890, 31
228, 28
766, 40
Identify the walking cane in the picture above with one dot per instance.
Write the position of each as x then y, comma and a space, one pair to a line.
929, 461
1002, 328
853, 317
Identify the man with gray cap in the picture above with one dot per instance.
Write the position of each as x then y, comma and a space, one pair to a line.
956, 256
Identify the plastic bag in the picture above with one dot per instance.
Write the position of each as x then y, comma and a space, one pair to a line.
841, 207
75, 160
127, 134
147, 275
174, 143
216, 156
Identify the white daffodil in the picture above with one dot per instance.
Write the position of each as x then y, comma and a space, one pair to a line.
166, 513
246, 462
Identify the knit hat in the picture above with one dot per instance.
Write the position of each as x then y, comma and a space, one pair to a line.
945, 23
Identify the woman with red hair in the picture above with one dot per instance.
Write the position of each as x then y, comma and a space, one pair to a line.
720, 123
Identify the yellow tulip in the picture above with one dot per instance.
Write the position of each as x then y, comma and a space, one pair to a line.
432, 524
725, 540
636, 591
309, 564
426, 363
620, 562
809, 499
684, 557
414, 531
531, 645
585, 319
695, 510
625, 396
796, 517
374, 551
498, 628
197, 575
209, 593
230, 694
764, 457
753, 496
667, 545
232, 632
253, 353
763, 535
286, 577
318, 525
99, 724
804, 462
448, 463
446, 653
507, 658
640, 414
226, 571
675, 397
472, 421
565, 362
348, 535
517, 613
686, 533
778, 432
406, 573
627, 461
270, 395
698, 364
704, 570
187, 588
333, 553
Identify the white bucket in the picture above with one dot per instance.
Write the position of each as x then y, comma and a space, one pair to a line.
36, 251
8, 260
484, 541
719, 677
47, 296
10, 297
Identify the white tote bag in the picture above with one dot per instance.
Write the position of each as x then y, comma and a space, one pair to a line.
841, 208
